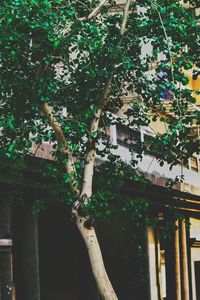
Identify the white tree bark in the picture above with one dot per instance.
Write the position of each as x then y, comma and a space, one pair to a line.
88, 234
103, 282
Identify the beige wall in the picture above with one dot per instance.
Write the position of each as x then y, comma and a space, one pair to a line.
195, 256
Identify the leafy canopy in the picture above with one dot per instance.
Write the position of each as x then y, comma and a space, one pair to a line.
39, 64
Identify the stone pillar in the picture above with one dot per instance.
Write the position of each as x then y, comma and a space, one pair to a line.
173, 274
177, 262
184, 263
159, 274
6, 284
152, 264
27, 254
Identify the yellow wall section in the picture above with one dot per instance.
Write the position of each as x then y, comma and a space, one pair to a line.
158, 127
193, 85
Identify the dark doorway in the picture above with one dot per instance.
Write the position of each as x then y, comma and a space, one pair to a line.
197, 278
65, 272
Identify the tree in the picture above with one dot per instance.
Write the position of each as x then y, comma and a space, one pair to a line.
86, 56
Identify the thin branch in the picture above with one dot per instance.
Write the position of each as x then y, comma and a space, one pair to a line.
90, 16
167, 41
66, 30
169, 51
36, 150
96, 10
81, 2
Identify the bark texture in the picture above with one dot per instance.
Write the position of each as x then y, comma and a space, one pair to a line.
102, 280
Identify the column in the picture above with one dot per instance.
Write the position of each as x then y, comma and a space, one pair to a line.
152, 264
6, 285
158, 269
173, 274
184, 263
177, 262
27, 254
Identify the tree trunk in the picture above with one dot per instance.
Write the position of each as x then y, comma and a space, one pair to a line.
89, 236
103, 283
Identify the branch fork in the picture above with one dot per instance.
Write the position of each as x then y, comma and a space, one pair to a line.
77, 214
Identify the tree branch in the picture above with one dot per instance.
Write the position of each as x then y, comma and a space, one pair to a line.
60, 137
90, 16
62, 142
125, 17
63, 147
90, 157
96, 10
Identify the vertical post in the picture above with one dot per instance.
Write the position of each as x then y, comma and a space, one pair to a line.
5, 253
184, 263
27, 256
189, 260
177, 262
158, 267
152, 263
173, 274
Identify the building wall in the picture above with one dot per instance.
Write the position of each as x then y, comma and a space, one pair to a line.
195, 252
195, 256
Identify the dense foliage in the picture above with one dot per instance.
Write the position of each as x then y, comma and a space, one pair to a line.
50, 52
